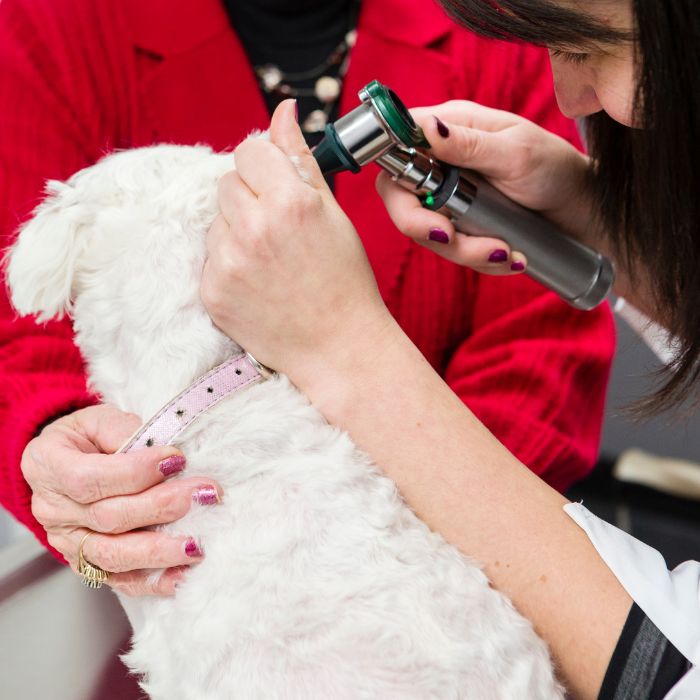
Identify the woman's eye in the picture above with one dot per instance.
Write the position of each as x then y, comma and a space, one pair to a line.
577, 58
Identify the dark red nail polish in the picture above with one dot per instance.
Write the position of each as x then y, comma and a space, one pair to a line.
438, 235
498, 256
517, 266
192, 549
172, 465
442, 128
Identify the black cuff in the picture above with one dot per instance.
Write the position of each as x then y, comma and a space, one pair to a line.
644, 665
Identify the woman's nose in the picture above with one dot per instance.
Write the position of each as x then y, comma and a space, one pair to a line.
574, 88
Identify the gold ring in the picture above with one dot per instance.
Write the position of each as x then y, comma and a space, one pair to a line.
91, 575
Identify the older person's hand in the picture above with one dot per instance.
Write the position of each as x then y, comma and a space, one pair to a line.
79, 485
286, 275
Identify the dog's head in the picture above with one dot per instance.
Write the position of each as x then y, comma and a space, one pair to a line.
120, 247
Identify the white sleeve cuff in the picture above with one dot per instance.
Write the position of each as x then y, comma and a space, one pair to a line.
670, 599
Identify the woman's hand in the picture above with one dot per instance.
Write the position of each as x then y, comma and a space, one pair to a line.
286, 274
527, 163
78, 485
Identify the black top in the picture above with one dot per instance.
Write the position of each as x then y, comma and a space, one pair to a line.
644, 665
295, 36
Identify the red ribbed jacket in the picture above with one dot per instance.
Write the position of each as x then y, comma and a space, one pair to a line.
79, 78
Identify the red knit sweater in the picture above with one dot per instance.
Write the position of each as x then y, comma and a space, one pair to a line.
79, 78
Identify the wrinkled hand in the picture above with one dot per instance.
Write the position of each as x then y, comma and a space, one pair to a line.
527, 163
79, 485
286, 274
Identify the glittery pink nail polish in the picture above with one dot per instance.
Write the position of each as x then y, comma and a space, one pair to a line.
205, 496
172, 465
192, 548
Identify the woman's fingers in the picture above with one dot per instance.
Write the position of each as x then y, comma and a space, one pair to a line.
256, 159
146, 582
66, 459
105, 428
287, 136
132, 551
435, 231
487, 255
89, 477
77, 488
466, 113
410, 217
286, 154
485, 151
161, 504
236, 201
492, 142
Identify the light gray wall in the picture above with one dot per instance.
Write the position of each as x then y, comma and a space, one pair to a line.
667, 435
10, 529
57, 637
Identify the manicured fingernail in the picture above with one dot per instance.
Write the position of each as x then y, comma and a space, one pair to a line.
517, 266
205, 496
192, 548
172, 465
442, 128
498, 256
438, 235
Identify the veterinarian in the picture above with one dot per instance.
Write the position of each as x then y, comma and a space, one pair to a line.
619, 624
80, 78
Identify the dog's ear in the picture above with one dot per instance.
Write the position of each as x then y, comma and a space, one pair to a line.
41, 265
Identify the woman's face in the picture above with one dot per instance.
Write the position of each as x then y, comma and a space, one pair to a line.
591, 80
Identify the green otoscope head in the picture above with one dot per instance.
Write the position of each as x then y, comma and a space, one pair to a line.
379, 124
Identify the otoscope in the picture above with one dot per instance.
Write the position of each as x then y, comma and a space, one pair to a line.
382, 130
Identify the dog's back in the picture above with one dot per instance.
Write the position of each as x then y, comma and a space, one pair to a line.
318, 581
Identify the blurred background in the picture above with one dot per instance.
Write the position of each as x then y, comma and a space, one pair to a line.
655, 496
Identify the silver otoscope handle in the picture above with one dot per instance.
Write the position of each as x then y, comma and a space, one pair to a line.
580, 275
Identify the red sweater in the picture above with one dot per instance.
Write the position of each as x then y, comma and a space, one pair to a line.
79, 78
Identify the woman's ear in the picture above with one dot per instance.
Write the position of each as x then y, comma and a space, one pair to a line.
40, 266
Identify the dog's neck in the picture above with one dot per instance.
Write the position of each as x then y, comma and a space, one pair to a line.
144, 370
235, 374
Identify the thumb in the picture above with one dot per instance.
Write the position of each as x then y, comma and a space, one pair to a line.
466, 147
287, 136
105, 426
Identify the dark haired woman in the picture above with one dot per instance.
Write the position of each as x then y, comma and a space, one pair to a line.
618, 623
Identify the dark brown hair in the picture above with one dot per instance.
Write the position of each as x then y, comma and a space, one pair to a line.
647, 180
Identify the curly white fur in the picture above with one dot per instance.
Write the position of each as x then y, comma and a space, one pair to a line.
319, 583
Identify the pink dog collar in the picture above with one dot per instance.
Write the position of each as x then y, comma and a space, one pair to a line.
236, 373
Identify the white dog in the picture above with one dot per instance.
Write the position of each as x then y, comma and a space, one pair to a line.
319, 583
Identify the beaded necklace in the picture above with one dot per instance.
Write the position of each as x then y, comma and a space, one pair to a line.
283, 38
326, 89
